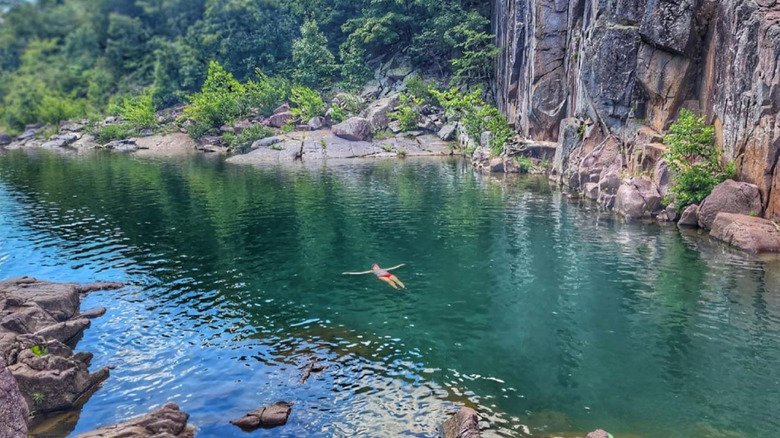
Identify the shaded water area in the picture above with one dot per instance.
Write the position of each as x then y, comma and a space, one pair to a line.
545, 315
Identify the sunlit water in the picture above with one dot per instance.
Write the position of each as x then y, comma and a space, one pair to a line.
543, 314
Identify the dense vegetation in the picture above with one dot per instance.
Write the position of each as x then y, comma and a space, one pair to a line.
695, 161
61, 59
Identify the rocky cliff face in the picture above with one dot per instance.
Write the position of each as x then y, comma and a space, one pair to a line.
605, 78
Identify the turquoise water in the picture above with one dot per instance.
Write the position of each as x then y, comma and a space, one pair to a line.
545, 315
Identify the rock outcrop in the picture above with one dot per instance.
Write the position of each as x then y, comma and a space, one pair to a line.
464, 424
265, 417
729, 197
752, 234
167, 422
37, 318
13, 408
582, 72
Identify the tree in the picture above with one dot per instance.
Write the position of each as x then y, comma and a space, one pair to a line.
314, 63
694, 160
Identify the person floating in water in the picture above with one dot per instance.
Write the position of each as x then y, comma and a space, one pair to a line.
382, 274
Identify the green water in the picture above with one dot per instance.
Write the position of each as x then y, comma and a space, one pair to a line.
545, 315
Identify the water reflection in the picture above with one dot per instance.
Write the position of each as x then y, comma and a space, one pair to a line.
546, 315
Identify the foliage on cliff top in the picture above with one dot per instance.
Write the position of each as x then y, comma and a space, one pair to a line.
477, 116
694, 160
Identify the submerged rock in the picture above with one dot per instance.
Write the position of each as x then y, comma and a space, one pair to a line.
599, 433
464, 424
167, 422
13, 408
730, 197
751, 234
265, 417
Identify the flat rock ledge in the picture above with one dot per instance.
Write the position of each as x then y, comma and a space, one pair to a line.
751, 234
167, 422
464, 424
317, 146
265, 417
37, 319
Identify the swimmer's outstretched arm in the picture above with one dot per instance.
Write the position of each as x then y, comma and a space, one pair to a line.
395, 267
357, 273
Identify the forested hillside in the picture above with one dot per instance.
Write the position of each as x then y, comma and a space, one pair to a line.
73, 58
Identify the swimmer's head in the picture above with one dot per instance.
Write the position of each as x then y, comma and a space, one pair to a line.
375, 266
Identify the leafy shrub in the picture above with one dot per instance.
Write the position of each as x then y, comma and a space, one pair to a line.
217, 104
138, 111
354, 71
109, 133
524, 164
266, 93
338, 114
694, 160
476, 116
314, 63
39, 350
307, 103
408, 113
423, 89
242, 142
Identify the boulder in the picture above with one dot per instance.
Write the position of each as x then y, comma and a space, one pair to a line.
637, 198
689, 217
51, 377
378, 112
266, 142
464, 424
496, 165
128, 145
167, 422
730, 197
316, 123
265, 417
283, 108
752, 234
355, 129
13, 408
5, 139
280, 119
240, 125
591, 191
447, 132
599, 433
395, 127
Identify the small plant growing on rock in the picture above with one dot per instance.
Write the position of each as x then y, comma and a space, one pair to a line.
286, 129
38, 398
401, 152
524, 164
39, 350
387, 148
694, 159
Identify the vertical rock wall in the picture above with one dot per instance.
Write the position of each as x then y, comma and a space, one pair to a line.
624, 69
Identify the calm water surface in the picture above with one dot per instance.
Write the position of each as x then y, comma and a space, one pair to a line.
546, 316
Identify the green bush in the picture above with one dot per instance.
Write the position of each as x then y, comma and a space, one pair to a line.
307, 103
217, 104
314, 63
423, 89
138, 111
408, 113
524, 164
109, 133
477, 116
694, 160
338, 114
242, 142
266, 93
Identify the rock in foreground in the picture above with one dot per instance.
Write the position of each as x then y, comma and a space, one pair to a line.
37, 318
752, 234
13, 409
464, 424
729, 197
265, 417
167, 422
